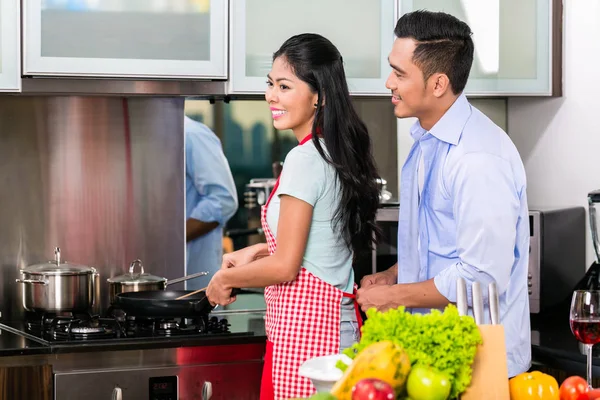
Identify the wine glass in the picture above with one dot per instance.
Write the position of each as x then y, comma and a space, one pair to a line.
585, 322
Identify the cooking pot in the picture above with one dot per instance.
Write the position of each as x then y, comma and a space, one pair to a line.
141, 281
58, 286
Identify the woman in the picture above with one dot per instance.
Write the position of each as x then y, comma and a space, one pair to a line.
318, 219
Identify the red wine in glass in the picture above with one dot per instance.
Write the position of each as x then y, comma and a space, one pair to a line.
585, 322
587, 331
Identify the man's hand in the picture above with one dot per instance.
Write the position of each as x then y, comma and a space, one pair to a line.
387, 277
379, 296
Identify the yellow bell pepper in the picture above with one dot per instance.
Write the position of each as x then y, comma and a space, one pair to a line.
533, 386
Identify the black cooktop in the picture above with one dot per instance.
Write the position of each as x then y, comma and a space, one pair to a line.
113, 327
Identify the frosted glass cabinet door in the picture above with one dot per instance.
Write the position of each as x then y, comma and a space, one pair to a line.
10, 37
363, 31
513, 43
126, 38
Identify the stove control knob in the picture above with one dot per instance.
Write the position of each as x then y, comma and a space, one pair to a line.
117, 394
206, 391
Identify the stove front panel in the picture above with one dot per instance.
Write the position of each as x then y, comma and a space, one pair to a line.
240, 381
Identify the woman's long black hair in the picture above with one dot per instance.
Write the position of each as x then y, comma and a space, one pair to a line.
317, 62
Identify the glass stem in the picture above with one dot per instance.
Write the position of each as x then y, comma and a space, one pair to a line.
589, 364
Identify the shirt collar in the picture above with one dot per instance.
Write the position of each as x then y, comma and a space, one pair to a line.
449, 127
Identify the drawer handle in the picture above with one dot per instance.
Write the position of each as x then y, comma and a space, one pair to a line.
117, 393
206, 391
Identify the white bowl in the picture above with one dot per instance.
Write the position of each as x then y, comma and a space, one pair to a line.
322, 371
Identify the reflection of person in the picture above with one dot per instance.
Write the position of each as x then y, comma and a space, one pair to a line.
463, 203
210, 200
321, 215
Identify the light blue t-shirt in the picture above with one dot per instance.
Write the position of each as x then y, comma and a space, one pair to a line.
306, 176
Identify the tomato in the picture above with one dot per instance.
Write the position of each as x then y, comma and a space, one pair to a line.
427, 383
574, 388
372, 389
594, 394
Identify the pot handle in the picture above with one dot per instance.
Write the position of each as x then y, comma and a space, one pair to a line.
133, 264
32, 281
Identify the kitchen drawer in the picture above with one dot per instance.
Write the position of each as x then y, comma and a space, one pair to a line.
240, 381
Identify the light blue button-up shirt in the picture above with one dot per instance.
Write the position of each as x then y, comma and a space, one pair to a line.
472, 219
210, 196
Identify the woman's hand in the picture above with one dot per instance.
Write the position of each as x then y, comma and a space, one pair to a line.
218, 292
243, 256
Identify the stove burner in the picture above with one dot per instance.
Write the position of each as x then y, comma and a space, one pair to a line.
87, 330
82, 327
167, 325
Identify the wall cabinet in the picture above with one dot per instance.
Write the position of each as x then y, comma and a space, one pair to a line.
362, 30
132, 38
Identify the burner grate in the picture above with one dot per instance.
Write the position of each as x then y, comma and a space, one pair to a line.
86, 327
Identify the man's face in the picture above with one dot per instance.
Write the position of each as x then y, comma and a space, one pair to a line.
406, 81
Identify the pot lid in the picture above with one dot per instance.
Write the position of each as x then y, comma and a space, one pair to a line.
58, 267
135, 278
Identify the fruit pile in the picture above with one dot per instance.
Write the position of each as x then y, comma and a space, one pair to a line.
382, 371
409, 356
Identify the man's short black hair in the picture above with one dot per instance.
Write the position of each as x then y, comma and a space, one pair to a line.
444, 45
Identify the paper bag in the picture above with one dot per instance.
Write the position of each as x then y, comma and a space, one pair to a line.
490, 370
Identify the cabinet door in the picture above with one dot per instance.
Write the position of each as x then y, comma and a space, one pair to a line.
362, 30
126, 38
513, 43
10, 55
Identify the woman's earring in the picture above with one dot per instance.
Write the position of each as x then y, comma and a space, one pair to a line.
316, 105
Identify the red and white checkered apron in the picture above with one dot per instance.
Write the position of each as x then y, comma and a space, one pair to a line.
302, 322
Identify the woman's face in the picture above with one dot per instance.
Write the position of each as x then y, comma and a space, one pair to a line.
291, 100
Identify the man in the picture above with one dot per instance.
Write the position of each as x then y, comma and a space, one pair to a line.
210, 200
463, 206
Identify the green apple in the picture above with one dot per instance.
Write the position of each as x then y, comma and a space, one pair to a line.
427, 383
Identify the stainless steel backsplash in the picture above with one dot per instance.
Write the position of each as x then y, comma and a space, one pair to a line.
100, 177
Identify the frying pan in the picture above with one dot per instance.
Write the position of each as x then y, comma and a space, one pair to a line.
162, 303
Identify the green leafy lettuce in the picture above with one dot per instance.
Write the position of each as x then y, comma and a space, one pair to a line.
445, 341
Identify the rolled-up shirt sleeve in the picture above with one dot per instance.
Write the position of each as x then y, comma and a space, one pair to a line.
486, 210
209, 171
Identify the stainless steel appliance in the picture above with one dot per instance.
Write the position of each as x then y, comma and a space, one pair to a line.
124, 356
556, 255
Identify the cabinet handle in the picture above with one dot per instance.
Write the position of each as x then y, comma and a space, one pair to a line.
117, 393
206, 391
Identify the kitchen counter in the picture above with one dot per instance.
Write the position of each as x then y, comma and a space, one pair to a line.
15, 345
247, 327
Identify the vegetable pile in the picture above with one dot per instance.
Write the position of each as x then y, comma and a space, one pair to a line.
445, 341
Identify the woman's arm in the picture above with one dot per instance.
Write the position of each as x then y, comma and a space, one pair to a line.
295, 218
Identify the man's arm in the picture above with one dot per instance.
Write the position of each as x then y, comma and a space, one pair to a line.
487, 203
412, 295
486, 210
209, 171
195, 228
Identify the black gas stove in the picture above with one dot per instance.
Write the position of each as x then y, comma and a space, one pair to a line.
83, 327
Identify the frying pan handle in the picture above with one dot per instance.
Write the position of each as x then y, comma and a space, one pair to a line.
235, 292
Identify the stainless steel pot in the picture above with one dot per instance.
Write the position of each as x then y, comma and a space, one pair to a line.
58, 286
141, 281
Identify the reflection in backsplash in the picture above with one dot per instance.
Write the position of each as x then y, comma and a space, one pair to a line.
251, 144
100, 177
